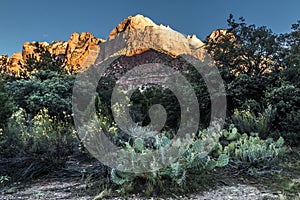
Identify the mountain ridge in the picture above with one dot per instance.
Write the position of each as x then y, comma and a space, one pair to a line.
80, 51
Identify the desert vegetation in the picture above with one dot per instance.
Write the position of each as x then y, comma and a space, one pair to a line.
260, 138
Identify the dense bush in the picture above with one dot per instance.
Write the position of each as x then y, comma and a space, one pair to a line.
260, 69
291, 54
44, 89
247, 92
43, 136
248, 122
141, 101
286, 100
7, 107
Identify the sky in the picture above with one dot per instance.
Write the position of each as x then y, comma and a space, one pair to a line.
52, 20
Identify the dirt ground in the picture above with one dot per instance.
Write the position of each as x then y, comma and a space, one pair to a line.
78, 188
78, 182
74, 188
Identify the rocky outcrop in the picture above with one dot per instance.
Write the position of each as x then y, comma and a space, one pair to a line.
3, 60
141, 33
15, 61
30, 47
217, 35
138, 40
79, 47
130, 23
74, 52
3, 63
138, 34
11, 64
55, 48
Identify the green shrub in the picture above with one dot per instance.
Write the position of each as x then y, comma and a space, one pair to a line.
7, 107
247, 122
286, 100
291, 125
44, 89
11, 142
44, 136
51, 136
141, 101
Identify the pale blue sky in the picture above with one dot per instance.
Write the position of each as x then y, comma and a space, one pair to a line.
38, 20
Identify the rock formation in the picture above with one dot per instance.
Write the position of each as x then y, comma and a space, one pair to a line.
218, 34
141, 34
130, 23
140, 31
75, 52
11, 64
78, 49
138, 40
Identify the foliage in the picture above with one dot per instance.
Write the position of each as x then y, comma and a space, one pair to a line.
7, 107
245, 49
44, 89
285, 98
290, 54
43, 83
252, 153
141, 101
247, 122
246, 55
201, 90
104, 90
260, 69
247, 92
44, 136
175, 173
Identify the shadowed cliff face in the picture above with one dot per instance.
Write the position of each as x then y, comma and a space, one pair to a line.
81, 50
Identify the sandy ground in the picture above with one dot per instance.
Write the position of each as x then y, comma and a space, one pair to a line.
74, 188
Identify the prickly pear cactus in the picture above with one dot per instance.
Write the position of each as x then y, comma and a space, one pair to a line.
222, 160
139, 144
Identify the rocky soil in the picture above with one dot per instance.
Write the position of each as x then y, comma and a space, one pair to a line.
74, 188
